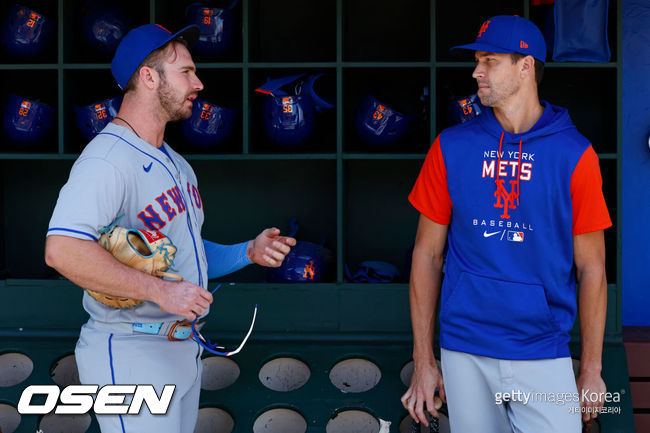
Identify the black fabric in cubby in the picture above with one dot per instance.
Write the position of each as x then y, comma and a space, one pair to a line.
292, 31
590, 97
386, 30
377, 191
242, 198
31, 189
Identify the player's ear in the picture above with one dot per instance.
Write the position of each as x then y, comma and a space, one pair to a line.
527, 66
149, 77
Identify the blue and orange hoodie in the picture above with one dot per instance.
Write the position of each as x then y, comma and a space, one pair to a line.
513, 203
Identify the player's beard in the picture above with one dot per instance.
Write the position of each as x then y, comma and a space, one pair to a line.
497, 94
173, 105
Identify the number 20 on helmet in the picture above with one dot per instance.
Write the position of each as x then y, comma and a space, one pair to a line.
26, 33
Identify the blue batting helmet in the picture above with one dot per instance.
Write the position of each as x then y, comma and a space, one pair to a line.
27, 121
92, 118
26, 33
288, 114
103, 27
210, 125
217, 27
379, 125
307, 262
463, 109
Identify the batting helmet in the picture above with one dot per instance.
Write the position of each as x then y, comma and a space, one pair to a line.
379, 125
103, 27
463, 109
91, 119
210, 125
27, 121
307, 262
26, 33
217, 27
288, 114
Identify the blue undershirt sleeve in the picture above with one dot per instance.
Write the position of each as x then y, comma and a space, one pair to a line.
225, 259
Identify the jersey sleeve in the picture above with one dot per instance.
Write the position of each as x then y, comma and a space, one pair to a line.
90, 200
430, 195
590, 212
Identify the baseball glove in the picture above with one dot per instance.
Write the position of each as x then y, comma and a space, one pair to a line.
148, 251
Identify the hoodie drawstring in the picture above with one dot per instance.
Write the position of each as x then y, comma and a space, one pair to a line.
499, 157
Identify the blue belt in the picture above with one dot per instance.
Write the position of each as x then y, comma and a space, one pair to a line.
175, 331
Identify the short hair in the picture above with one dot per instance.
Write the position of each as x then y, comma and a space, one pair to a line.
539, 66
154, 60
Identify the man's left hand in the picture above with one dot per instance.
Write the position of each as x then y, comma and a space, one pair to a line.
269, 248
594, 388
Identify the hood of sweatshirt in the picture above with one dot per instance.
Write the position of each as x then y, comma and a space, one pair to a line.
553, 120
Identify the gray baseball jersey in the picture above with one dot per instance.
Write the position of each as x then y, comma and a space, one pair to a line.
118, 174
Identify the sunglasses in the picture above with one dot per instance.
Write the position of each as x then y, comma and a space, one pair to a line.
215, 347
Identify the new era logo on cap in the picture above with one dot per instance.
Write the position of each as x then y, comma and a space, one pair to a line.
509, 34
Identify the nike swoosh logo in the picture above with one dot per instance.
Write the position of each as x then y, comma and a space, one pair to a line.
487, 235
147, 168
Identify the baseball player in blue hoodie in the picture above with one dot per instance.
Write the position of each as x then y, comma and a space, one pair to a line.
516, 194
128, 175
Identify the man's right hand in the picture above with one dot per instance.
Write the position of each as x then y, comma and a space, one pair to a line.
426, 379
184, 299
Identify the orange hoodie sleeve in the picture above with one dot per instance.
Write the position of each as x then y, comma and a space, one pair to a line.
590, 212
430, 195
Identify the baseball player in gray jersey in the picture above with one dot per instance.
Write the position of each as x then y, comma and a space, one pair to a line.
129, 175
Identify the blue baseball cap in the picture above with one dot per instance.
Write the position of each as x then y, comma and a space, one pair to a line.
140, 42
509, 34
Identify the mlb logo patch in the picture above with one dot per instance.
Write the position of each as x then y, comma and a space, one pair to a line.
515, 236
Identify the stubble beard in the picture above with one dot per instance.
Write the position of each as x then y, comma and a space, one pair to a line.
496, 96
173, 106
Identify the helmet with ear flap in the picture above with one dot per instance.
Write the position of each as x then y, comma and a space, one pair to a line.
210, 125
380, 125
460, 110
103, 26
288, 111
216, 25
306, 262
92, 118
28, 121
26, 33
